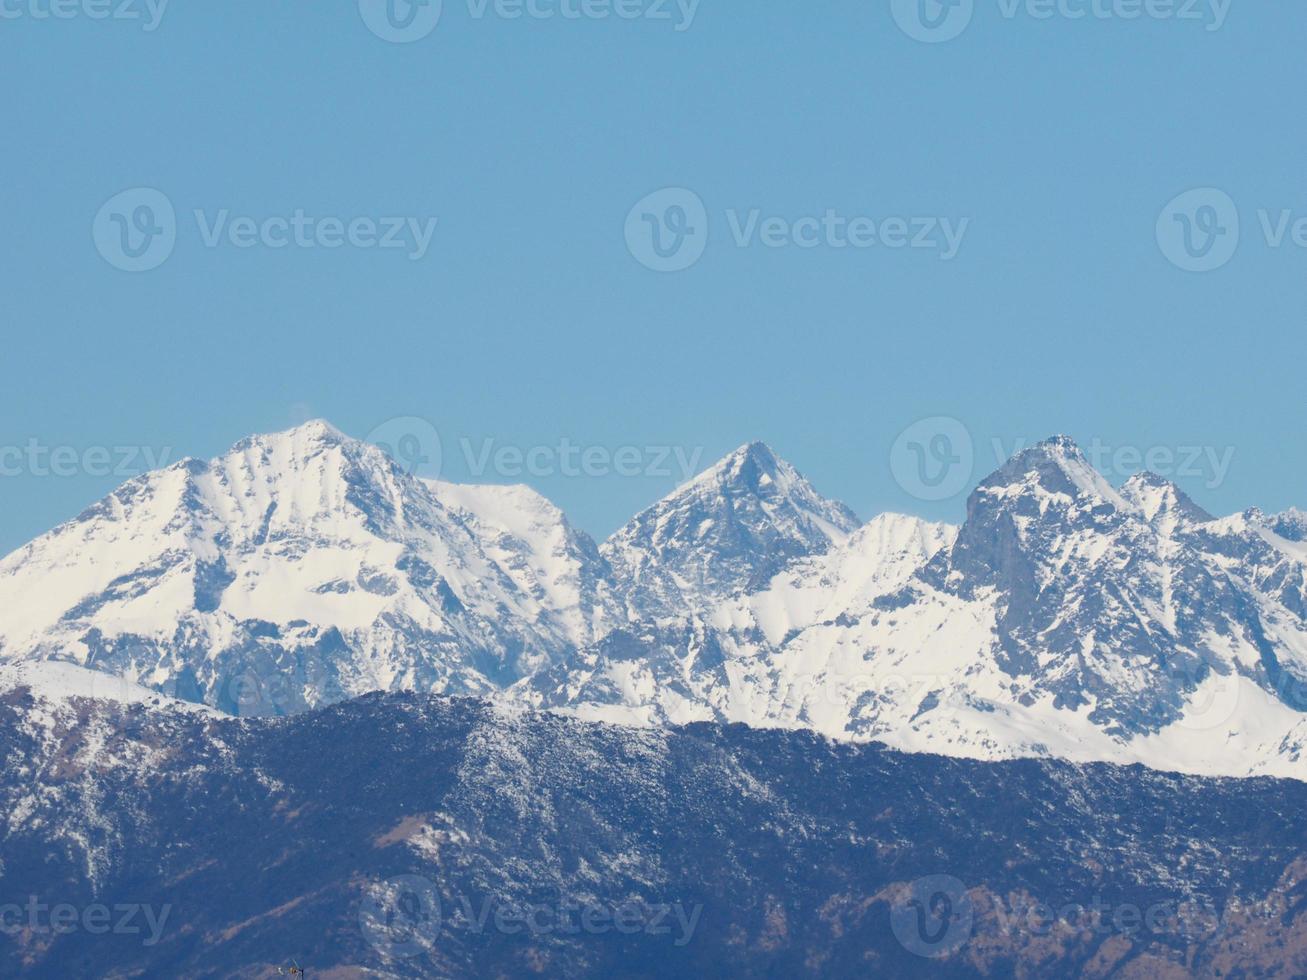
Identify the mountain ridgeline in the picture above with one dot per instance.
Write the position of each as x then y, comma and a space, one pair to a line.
1065, 618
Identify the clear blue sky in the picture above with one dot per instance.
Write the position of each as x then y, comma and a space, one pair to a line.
528, 320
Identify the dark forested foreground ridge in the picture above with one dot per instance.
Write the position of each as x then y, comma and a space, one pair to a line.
402, 835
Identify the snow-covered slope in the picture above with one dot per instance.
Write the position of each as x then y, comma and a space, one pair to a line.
298, 568
729, 530
1066, 617
531, 540
57, 681
304, 567
877, 558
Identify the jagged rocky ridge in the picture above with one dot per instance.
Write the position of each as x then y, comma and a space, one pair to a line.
1065, 618
408, 835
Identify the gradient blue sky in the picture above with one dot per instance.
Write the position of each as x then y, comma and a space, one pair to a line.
529, 321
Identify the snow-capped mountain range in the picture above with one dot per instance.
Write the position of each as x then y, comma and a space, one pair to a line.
1064, 618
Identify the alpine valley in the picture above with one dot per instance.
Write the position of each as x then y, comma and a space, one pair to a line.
1064, 619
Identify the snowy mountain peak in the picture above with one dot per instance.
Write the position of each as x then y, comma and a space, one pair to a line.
304, 564
1290, 525
731, 528
749, 464
1063, 618
301, 443
1059, 442
755, 471
319, 430
294, 450
1017, 517
1158, 499
1055, 467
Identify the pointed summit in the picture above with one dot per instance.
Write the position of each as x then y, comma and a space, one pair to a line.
316, 429
754, 453
315, 432
753, 467
1016, 515
1157, 498
732, 527
1054, 466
